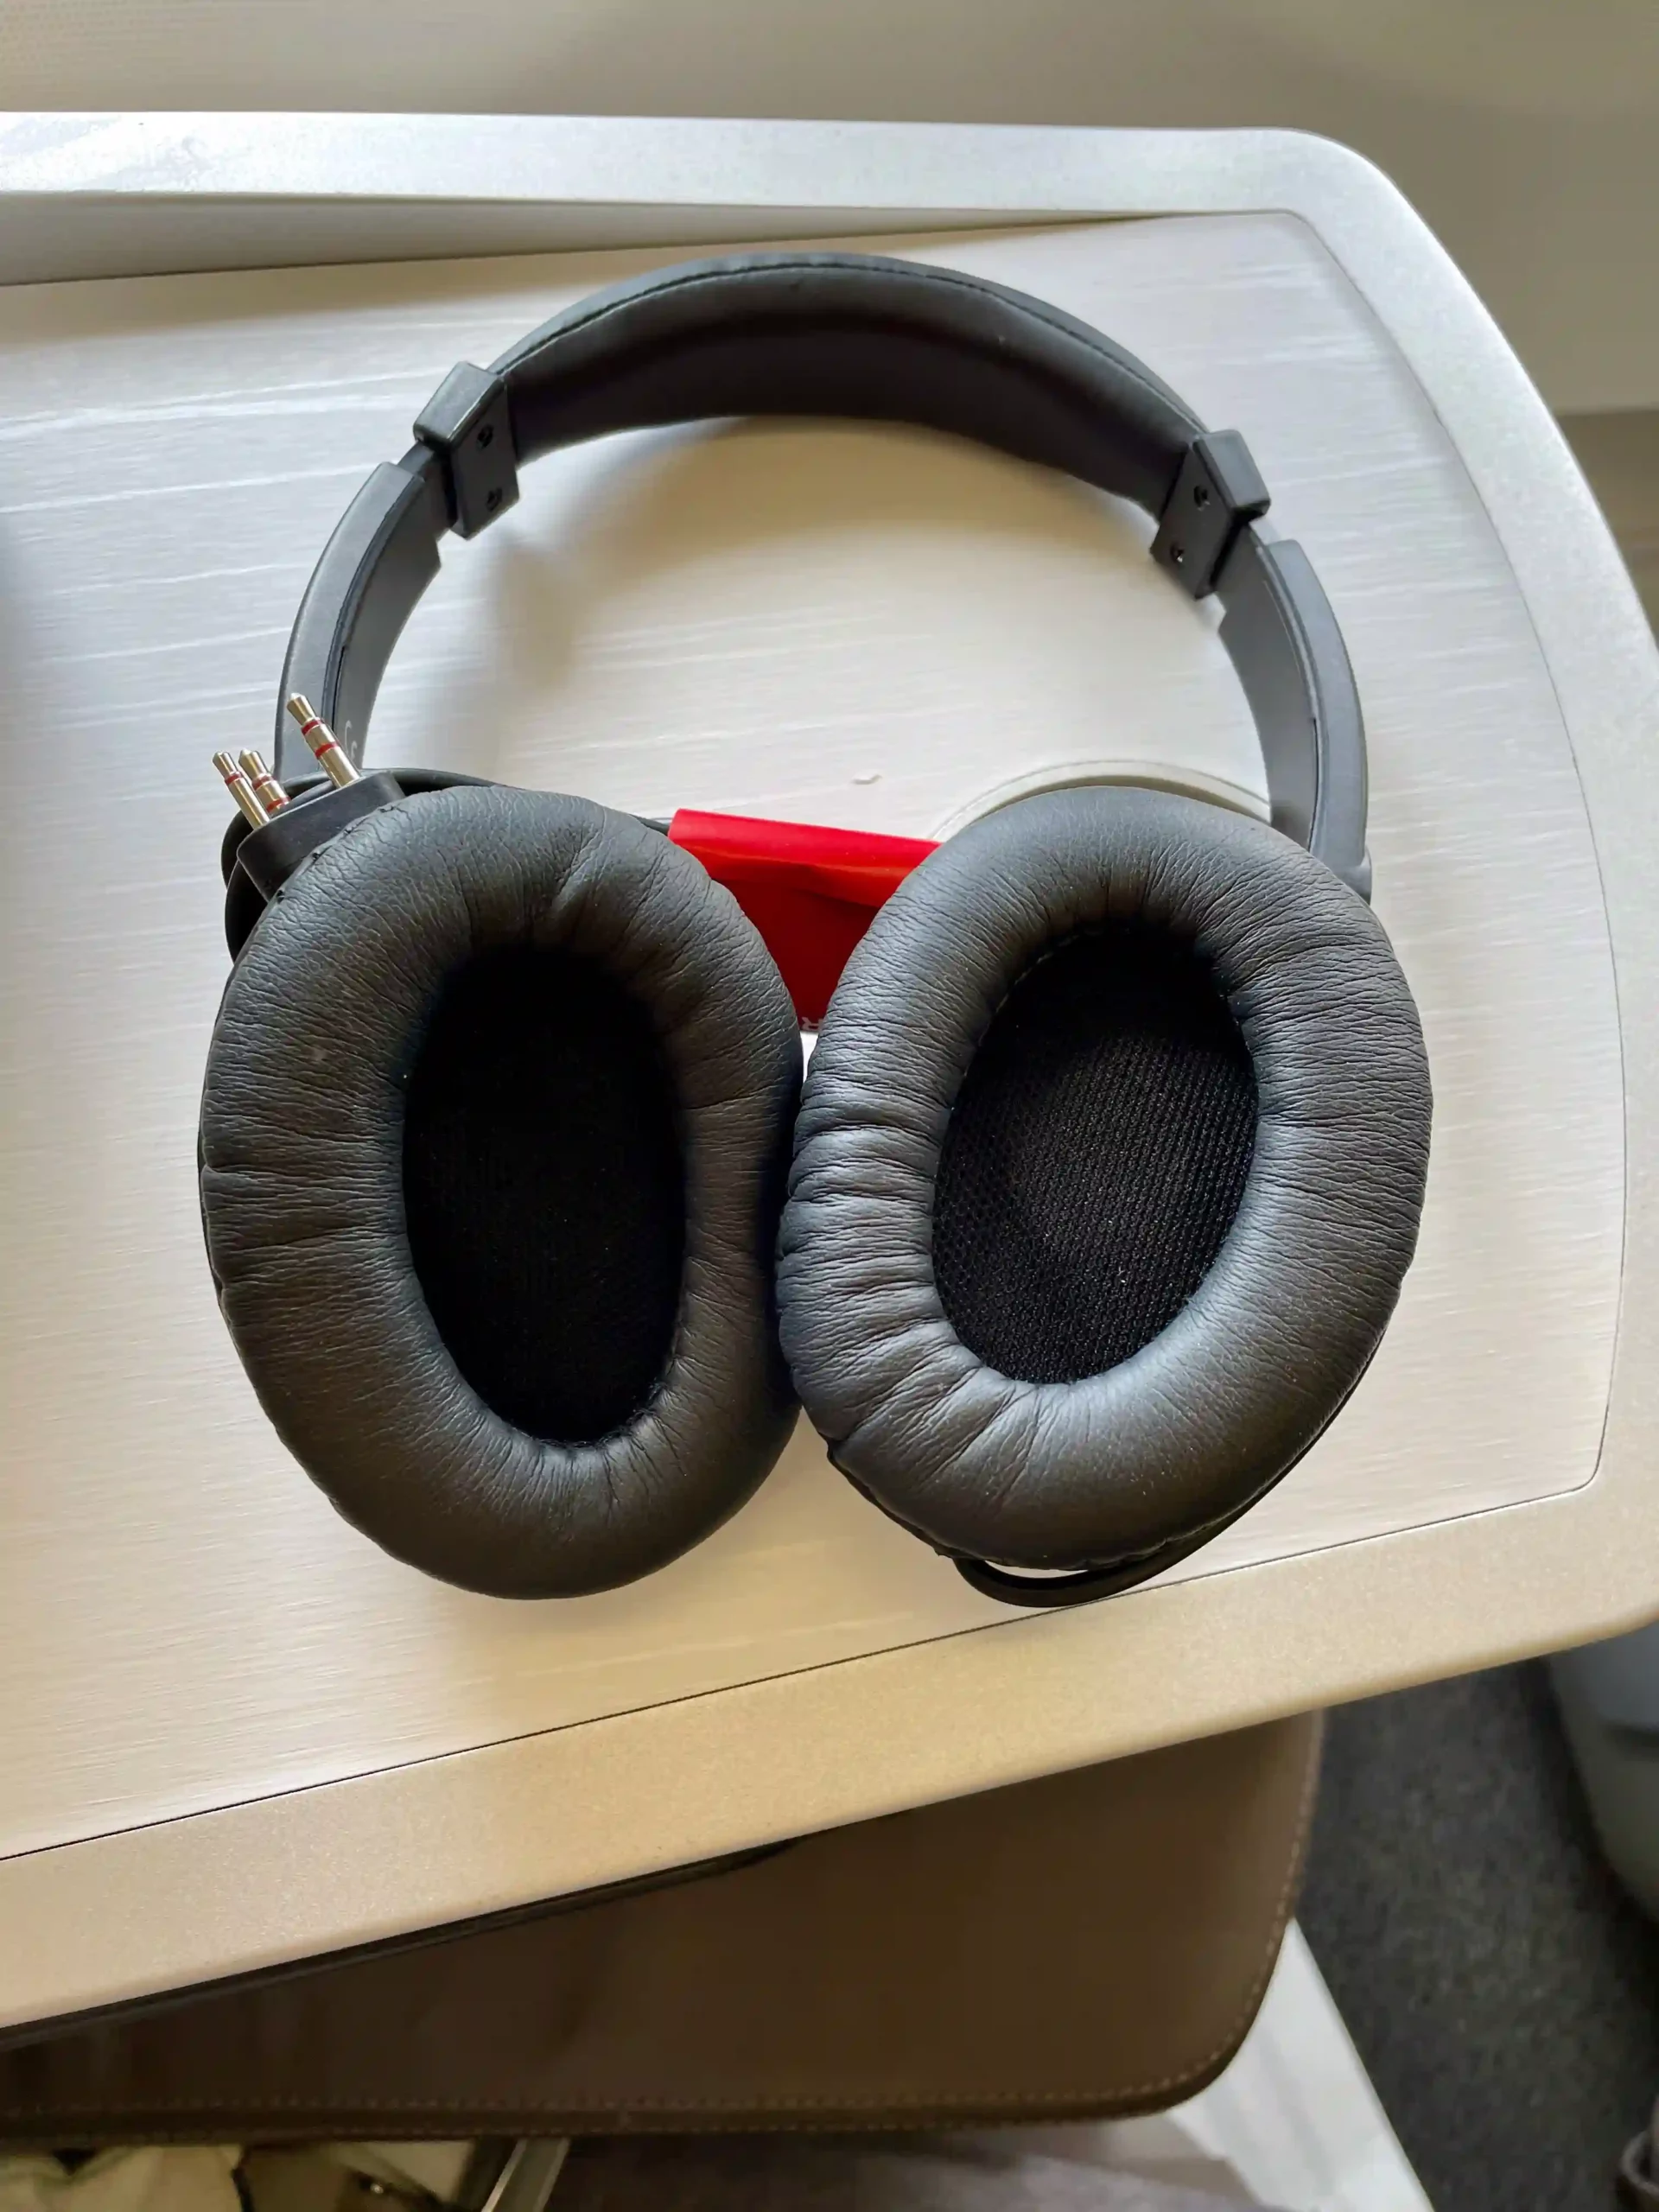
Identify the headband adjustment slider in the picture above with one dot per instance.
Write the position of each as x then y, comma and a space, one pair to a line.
1218, 491
467, 425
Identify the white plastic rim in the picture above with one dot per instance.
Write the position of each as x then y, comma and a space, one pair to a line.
1073, 775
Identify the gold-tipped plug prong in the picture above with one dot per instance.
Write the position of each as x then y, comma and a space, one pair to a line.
241, 790
266, 789
322, 741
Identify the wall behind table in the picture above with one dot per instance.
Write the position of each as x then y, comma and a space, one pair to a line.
1525, 131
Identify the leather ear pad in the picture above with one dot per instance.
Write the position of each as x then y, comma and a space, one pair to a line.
1032, 926
515, 1057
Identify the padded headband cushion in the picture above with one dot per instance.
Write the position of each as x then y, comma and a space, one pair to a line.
853, 336
1107, 1172
490, 1191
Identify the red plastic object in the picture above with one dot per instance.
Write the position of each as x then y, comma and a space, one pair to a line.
810, 892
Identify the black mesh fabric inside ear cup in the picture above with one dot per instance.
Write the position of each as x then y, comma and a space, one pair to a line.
1095, 1157
544, 1190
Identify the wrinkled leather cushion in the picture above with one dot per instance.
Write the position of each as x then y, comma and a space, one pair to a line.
1162, 1449
243, 903
303, 1186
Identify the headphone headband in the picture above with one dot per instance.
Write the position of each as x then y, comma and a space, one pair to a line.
866, 337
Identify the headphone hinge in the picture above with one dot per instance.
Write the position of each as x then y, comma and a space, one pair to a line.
467, 423
1218, 491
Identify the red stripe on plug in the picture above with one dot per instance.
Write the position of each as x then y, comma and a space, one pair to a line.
810, 892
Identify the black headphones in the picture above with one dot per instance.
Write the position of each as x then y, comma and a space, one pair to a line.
1110, 1156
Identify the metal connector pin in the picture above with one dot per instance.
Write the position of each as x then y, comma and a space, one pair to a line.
241, 790
266, 789
322, 741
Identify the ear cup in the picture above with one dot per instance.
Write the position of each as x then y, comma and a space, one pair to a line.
244, 903
1108, 1170
493, 1141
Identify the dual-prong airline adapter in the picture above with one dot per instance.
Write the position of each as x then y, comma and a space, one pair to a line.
285, 828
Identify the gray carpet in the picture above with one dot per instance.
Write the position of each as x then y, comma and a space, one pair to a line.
1502, 1992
